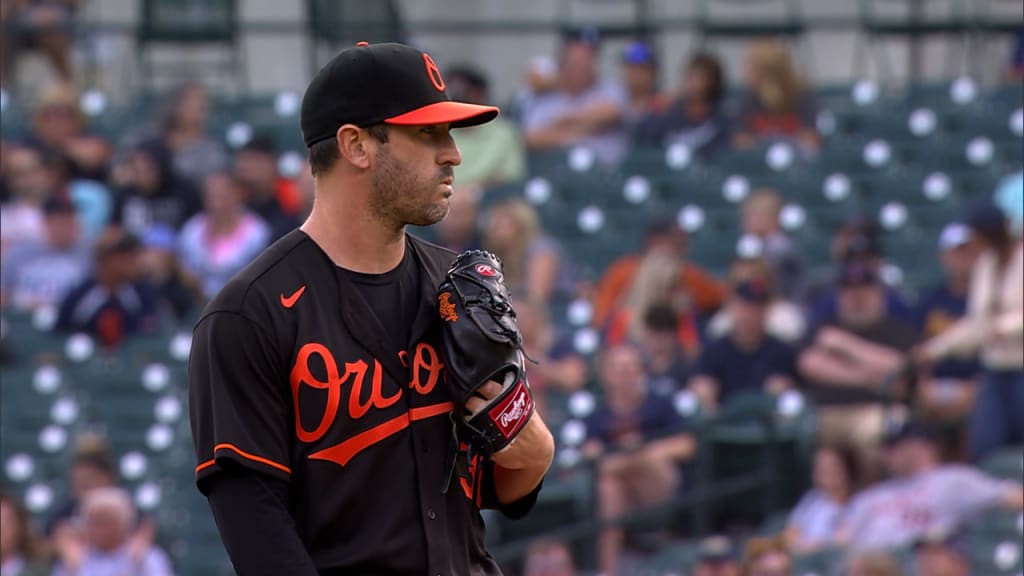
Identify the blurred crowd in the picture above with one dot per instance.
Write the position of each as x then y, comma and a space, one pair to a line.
126, 237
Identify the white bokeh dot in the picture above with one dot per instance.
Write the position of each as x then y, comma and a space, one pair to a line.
79, 347
749, 247
590, 219
290, 164
167, 409
892, 216
159, 437
877, 153
1006, 555
826, 123
980, 151
156, 377
38, 498
1017, 122
238, 134
44, 318
865, 92
963, 90
53, 439
685, 403
64, 411
569, 457
735, 188
792, 217
780, 156
147, 496
690, 218
891, 275
573, 433
581, 403
286, 104
20, 467
181, 346
636, 190
46, 379
585, 341
837, 187
922, 122
580, 312
93, 102
537, 191
581, 159
678, 156
133, 465
937, 186
790, 403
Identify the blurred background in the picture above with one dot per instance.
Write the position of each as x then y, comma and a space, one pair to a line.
768, 252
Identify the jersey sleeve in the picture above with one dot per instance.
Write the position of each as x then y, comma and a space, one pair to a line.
239, 404
513, 510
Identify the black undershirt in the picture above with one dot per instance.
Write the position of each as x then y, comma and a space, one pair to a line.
392, 296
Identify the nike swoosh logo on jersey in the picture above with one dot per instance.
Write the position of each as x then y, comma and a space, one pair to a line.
290, 301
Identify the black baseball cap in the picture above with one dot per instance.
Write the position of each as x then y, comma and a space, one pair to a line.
374, 83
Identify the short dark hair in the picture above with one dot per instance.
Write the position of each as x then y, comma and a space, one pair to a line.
323, 154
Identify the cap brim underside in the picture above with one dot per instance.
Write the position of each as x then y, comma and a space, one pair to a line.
458, 114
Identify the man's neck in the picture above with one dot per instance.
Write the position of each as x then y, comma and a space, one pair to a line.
352, 238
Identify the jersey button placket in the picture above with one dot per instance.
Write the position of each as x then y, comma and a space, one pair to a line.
431, 514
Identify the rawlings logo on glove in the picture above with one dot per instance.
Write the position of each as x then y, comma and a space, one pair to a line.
480, 343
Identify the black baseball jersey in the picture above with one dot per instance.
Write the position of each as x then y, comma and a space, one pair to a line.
292, 374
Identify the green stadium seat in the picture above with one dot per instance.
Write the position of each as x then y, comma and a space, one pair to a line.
1007, 463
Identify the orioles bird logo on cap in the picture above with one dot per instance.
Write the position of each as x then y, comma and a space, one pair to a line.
434, 72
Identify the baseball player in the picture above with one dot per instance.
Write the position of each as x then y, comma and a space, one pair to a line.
358, 395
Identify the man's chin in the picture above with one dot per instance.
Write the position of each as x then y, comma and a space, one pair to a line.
431, 216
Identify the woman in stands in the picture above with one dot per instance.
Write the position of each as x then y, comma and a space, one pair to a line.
777, 105
20, 551
532, 261
994, 324
813, 522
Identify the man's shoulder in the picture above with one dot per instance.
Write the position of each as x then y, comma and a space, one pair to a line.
287, 265
437, 258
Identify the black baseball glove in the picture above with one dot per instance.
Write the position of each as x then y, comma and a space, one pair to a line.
481, 342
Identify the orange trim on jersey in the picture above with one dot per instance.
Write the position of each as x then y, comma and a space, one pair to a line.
205, 465
343, 452
247, 456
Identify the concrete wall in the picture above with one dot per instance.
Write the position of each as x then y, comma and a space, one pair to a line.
281, 61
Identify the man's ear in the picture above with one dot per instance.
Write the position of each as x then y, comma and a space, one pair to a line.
353, 144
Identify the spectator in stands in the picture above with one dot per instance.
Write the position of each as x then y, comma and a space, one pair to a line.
874, 563
813, 523
639, 440
58, 128
665, 360
922, 495
274, 198
640, 78
946, 390
695, 285
748, 359
492, 153
695, 117
21, 553
767, 556
149, 192
559, 368
43, 25
549, 558
655, 284
541, 78
91, 467
114, 302
784, 319
853, 362
107, 542
179, 293
29, 184
716, 556
219, 241
531, 260
759, 218
777, 105
40, 274
182, 127
582, 110
856, 240
460, 230
994, 324
942, 553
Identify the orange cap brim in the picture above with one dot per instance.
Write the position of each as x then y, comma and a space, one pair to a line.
458, 114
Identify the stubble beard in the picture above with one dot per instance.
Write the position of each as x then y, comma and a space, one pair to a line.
399, 198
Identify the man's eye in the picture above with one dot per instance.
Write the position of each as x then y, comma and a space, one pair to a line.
429, 130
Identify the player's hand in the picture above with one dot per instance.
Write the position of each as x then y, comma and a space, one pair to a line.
533, 444
488, 390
